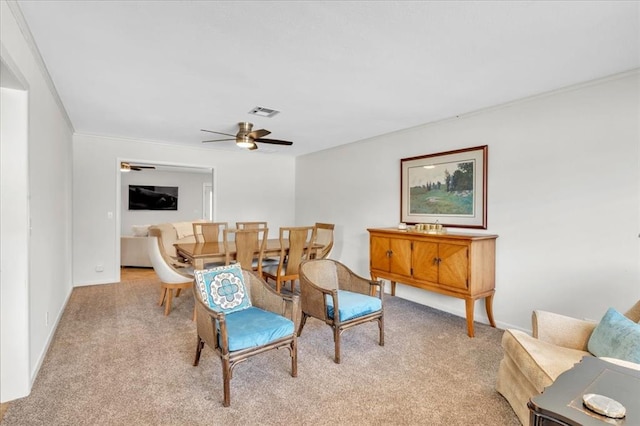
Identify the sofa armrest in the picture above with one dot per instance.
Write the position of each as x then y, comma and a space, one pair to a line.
562, 330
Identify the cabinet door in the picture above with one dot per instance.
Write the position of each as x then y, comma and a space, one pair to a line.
424, 261
380, 258
454, 265
400, 256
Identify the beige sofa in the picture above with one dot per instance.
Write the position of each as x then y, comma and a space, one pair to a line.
532, 363
134, 252
133, 248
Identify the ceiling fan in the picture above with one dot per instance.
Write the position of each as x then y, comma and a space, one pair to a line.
247, 138
127, 167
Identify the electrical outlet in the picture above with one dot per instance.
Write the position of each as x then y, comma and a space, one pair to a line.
99, 267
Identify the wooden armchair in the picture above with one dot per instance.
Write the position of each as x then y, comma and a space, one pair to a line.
331, 292
236, 331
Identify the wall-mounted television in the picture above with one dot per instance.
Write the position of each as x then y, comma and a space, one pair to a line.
148, 197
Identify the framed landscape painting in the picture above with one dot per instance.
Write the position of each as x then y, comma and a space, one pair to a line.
448, 187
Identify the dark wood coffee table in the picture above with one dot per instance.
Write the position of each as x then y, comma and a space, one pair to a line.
561, 403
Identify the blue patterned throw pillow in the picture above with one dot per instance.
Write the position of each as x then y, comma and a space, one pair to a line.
616, 336
223, 288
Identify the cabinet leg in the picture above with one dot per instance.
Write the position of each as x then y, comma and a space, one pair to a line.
469, 305
488, 304
393, 288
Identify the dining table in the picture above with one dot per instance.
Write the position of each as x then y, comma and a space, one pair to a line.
200, 253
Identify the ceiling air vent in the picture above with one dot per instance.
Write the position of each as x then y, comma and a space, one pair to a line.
263, 112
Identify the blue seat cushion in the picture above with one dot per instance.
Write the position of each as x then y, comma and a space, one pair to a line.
353, 305
253, 327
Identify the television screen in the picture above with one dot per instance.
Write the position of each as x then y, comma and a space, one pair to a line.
147, 197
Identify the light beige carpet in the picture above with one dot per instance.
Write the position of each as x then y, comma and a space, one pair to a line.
116, 360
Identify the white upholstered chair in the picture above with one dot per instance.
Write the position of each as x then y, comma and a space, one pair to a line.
171, 278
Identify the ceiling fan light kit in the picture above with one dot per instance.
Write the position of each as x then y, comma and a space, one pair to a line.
245, 142
247, 138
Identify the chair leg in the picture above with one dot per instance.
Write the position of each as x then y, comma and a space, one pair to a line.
381, 327
199, 347
336, 339
294, 359
226, 378
303, 320
163, 294
167, 303
178, 292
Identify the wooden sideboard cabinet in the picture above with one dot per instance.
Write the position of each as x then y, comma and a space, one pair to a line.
454, 264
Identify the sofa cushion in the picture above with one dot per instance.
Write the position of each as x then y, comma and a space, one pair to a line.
616, 336
140, 230
183, 229
223, 288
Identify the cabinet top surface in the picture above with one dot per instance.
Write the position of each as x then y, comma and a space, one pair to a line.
448, 234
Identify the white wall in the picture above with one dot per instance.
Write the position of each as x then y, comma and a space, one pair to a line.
247, 186
14, 228
563, 196
190, 186
45, 181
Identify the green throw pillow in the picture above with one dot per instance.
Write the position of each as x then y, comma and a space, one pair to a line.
223, 288
616, 336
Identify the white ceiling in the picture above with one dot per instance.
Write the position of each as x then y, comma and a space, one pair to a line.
339, 71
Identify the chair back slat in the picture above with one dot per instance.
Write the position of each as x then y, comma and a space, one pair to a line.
251, 225
299, 240
206, 232
250, 245
324, 236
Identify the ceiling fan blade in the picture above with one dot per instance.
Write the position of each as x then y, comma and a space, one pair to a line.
142, 167
218, 133
257, 134
219, 140
274, 141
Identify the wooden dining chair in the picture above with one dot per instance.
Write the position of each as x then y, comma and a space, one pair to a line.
324, 237
295, 246
206, 232
250, 245
257, 225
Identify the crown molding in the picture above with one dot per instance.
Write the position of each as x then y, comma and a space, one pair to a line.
26, 33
